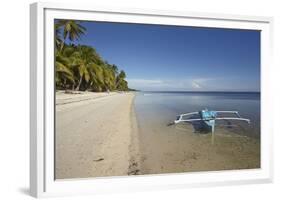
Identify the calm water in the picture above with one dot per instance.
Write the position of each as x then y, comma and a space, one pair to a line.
157, 109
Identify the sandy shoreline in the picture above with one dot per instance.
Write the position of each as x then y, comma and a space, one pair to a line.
67, 98
93, 137
99, 134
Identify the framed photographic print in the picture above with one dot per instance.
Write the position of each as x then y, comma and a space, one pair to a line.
128, 100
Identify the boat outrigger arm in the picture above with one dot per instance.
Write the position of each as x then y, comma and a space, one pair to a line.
209, 117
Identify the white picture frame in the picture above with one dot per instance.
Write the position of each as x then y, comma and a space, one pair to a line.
42, 182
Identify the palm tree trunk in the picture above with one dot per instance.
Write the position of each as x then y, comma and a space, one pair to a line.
64, 83
79, 83
89, 85
62, 44
74, 84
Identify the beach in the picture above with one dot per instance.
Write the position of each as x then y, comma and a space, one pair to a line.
120, 134
118, 97
93, 135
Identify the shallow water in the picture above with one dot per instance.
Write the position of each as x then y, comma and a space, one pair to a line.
155, 110
188, 147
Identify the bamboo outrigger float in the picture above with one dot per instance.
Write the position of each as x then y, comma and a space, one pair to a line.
209, 118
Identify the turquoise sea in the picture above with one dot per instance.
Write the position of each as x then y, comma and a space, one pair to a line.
156, 110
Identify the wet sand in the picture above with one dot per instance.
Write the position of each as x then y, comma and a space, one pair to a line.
183, 150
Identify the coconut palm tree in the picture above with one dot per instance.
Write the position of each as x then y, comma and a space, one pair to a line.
121, 76
58, 40
64, 71
121, 83
82, 59
81, 67
96, 77
72, 30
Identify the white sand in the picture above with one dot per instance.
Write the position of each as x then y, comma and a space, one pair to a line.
93, 135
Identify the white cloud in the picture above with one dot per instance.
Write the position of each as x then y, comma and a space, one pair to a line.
168, 84
196, 85
191, 84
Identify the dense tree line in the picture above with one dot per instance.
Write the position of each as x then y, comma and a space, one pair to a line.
80, 67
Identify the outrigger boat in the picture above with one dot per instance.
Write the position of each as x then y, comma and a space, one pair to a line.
209, 117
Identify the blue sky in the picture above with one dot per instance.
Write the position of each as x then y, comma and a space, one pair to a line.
174, 58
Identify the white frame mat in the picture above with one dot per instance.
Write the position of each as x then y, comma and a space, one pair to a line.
42, 181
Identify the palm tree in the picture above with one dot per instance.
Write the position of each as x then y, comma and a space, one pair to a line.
82, 59
96, 77
64, 72
115, 69
121, 76
121, 83
81, 67
58, 40
72, 30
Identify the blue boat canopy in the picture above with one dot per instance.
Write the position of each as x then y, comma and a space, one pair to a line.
207, 115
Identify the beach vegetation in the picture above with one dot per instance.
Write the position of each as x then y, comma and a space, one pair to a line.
80, 67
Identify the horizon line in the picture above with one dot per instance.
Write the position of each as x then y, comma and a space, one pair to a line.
196, 91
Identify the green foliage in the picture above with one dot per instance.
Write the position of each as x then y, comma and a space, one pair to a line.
80, 67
